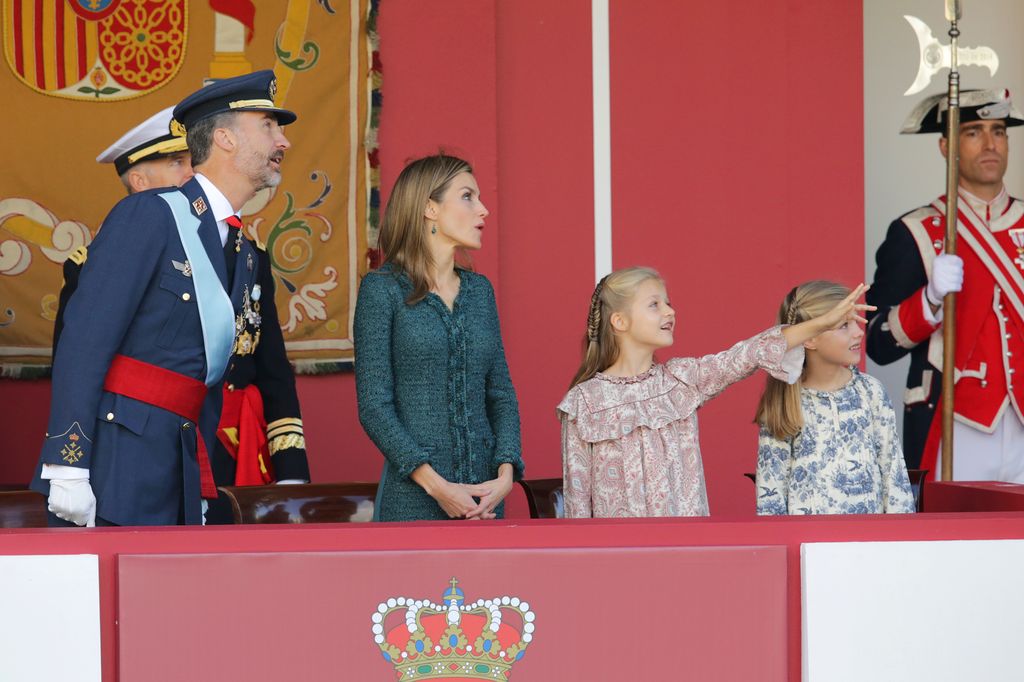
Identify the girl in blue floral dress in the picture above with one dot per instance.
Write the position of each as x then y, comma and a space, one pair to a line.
828, 443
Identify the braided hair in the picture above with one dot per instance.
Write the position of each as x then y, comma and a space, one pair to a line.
779, 409
612, 294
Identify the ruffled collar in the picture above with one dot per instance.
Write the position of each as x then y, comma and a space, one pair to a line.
655, 368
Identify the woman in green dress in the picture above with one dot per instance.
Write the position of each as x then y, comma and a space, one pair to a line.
432, 383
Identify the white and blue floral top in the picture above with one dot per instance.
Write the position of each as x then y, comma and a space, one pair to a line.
846, 459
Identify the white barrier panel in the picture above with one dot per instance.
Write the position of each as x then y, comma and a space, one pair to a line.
50, 618
906, 611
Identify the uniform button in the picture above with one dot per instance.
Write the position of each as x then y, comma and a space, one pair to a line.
1000, 306
1009, 354
186, 296
1012, 370
231, 387
110, 416
186, 426
984, 384
1006, 335
931, 406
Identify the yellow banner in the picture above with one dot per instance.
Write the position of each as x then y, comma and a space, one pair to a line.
316, 224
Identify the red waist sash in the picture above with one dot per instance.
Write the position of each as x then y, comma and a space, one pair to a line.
176, 393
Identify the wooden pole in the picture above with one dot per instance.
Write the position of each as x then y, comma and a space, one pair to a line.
952, 193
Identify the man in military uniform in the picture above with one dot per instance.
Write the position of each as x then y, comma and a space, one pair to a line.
259, 384
914, 274
167, 283
146, 157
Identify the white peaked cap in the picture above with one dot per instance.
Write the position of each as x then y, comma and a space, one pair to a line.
150, 139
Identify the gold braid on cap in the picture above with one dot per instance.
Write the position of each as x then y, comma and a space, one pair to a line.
594, 316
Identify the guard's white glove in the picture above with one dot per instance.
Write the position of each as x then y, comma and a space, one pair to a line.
205, 507
291, 481
73, 500
947, 277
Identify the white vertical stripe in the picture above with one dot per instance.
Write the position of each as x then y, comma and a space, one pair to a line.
354, 148
602, 141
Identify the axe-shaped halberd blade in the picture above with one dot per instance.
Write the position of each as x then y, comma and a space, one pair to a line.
935, 56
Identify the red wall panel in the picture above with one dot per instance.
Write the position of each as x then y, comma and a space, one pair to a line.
737, 171
546, 170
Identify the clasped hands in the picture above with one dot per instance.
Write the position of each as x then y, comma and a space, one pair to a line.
470, 501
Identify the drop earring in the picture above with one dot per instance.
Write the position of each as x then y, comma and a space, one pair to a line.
433, 229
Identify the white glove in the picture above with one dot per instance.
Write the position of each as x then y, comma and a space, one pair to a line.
947, 277
73, 500
291, 481
205, 506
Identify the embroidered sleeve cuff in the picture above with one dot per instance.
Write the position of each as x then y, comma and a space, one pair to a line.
71, 448
285, 433
908, 323
793, 364
774, 358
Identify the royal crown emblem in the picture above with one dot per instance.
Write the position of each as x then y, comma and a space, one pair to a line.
453, 640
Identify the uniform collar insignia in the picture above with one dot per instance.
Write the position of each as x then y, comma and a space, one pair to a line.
199, 205
184, 268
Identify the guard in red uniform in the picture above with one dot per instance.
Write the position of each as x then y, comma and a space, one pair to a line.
913, 275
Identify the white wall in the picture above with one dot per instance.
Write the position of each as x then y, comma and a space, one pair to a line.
50, 618
912, 611
906, 171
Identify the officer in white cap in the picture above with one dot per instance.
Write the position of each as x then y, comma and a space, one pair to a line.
146, 157
149, 156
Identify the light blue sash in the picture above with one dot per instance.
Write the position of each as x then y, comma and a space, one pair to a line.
216, 313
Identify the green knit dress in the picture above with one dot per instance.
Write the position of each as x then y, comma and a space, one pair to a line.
433, 387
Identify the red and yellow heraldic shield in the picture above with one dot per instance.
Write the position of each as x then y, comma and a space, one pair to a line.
94, 49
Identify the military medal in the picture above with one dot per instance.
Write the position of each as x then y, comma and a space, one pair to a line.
1017, 236
245, 342
238, 246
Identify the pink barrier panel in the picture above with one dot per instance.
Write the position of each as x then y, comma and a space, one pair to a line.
547, 614
983, 496
111, 543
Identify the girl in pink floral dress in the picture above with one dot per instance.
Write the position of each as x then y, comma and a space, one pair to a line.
629, 424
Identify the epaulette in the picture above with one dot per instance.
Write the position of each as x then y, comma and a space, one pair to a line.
79, 255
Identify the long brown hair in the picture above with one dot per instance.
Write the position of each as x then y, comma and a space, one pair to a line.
612, 295
779, 409
403, 236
